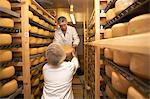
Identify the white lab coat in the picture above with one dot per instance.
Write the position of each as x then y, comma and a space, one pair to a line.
70, 38
58, 81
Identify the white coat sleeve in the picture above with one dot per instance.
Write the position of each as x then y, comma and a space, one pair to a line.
76, 39
75, 62
57, 38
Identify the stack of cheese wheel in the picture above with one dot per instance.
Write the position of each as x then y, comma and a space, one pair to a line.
107, 33
109, 92
7, 72
121, 5
5, 4
108, 53
6, 39
139, 24
110, 14
7, 54
108, 70
8, 88
121, 58
135, 94
119, 83
6, 22
140, 65
120, 29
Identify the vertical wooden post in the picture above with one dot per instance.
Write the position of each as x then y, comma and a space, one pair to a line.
25, 49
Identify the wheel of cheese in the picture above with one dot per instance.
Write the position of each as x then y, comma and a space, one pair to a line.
40, 32
40, 49
121, 58
40, 11
46, 25
45, 16
107, 33
108, 70
37, 91
6, 39
32, 40
5, 4
120, 29
34, 29
110, 14
34, 7
109, 92
5, 55
35, 72
7, 72
8, 88
134, 94
46, 33
34, 62
42, 77
39, 41
41, 22
119, 83
49, 41
121, 5
33, 51
42, 59
108, 53
35, 82
140, 65
30, 14
139, 24
6, 22
36, 19
44, 41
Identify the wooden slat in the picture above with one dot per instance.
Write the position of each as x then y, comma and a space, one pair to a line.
15, 6
133, 43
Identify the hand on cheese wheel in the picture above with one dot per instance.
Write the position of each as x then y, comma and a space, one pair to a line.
140, 65
5, 4
119, 83
6, 39
121, 58
5, 55
109, 92
6, 22
8, 88
108, 70
135, 94
139, 24
108, 53
110, 14
68, 50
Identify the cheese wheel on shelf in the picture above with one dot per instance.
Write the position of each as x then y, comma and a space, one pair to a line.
110, 14
44, 41
108, 70
40, 32
41, 85
119, 83
46, 33
107, 33
30, 14
34, 7
41, 49
45, 16
5, 55
35, 82
7, 72
108, 53
139, 24
36, 91
32, 40
34, 62
120, 29
5, 4
35, 72
109, 92
6, 39
121, 5
6, 22
39, 41
8, 88
33, 51
41, 22
135, 94
140, 65
46, 25
36, 19
40, 11
34, 29
42, 59
121, 58
42, 77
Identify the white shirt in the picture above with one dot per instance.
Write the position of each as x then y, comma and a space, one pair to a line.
70, 38
58, 81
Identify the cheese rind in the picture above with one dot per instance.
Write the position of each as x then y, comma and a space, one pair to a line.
33, 51
34, 29
6, 22
108, 53
5, 4
35, 82
7, 54
6, 39
110, 14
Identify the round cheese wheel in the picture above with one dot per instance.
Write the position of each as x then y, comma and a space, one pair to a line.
37, 91
46, 25
110, 14
6, 22
40, 11
42, 59
34, 62
35, 72
36, 19
120, 29
139, 24
109, 92
34, 7
39, 41
41, 22
6, 39
40, 32
134, 94
5, 4
35, 82
121, 5
45, 16
108, 53
7, 72
119, 83
34, 29
121, 58
32, 40
42, 77
8, 88
33, 51
108, 70
5, 55
44, 41
107, 33
30, 14
41, 49
46, 33
140, 65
